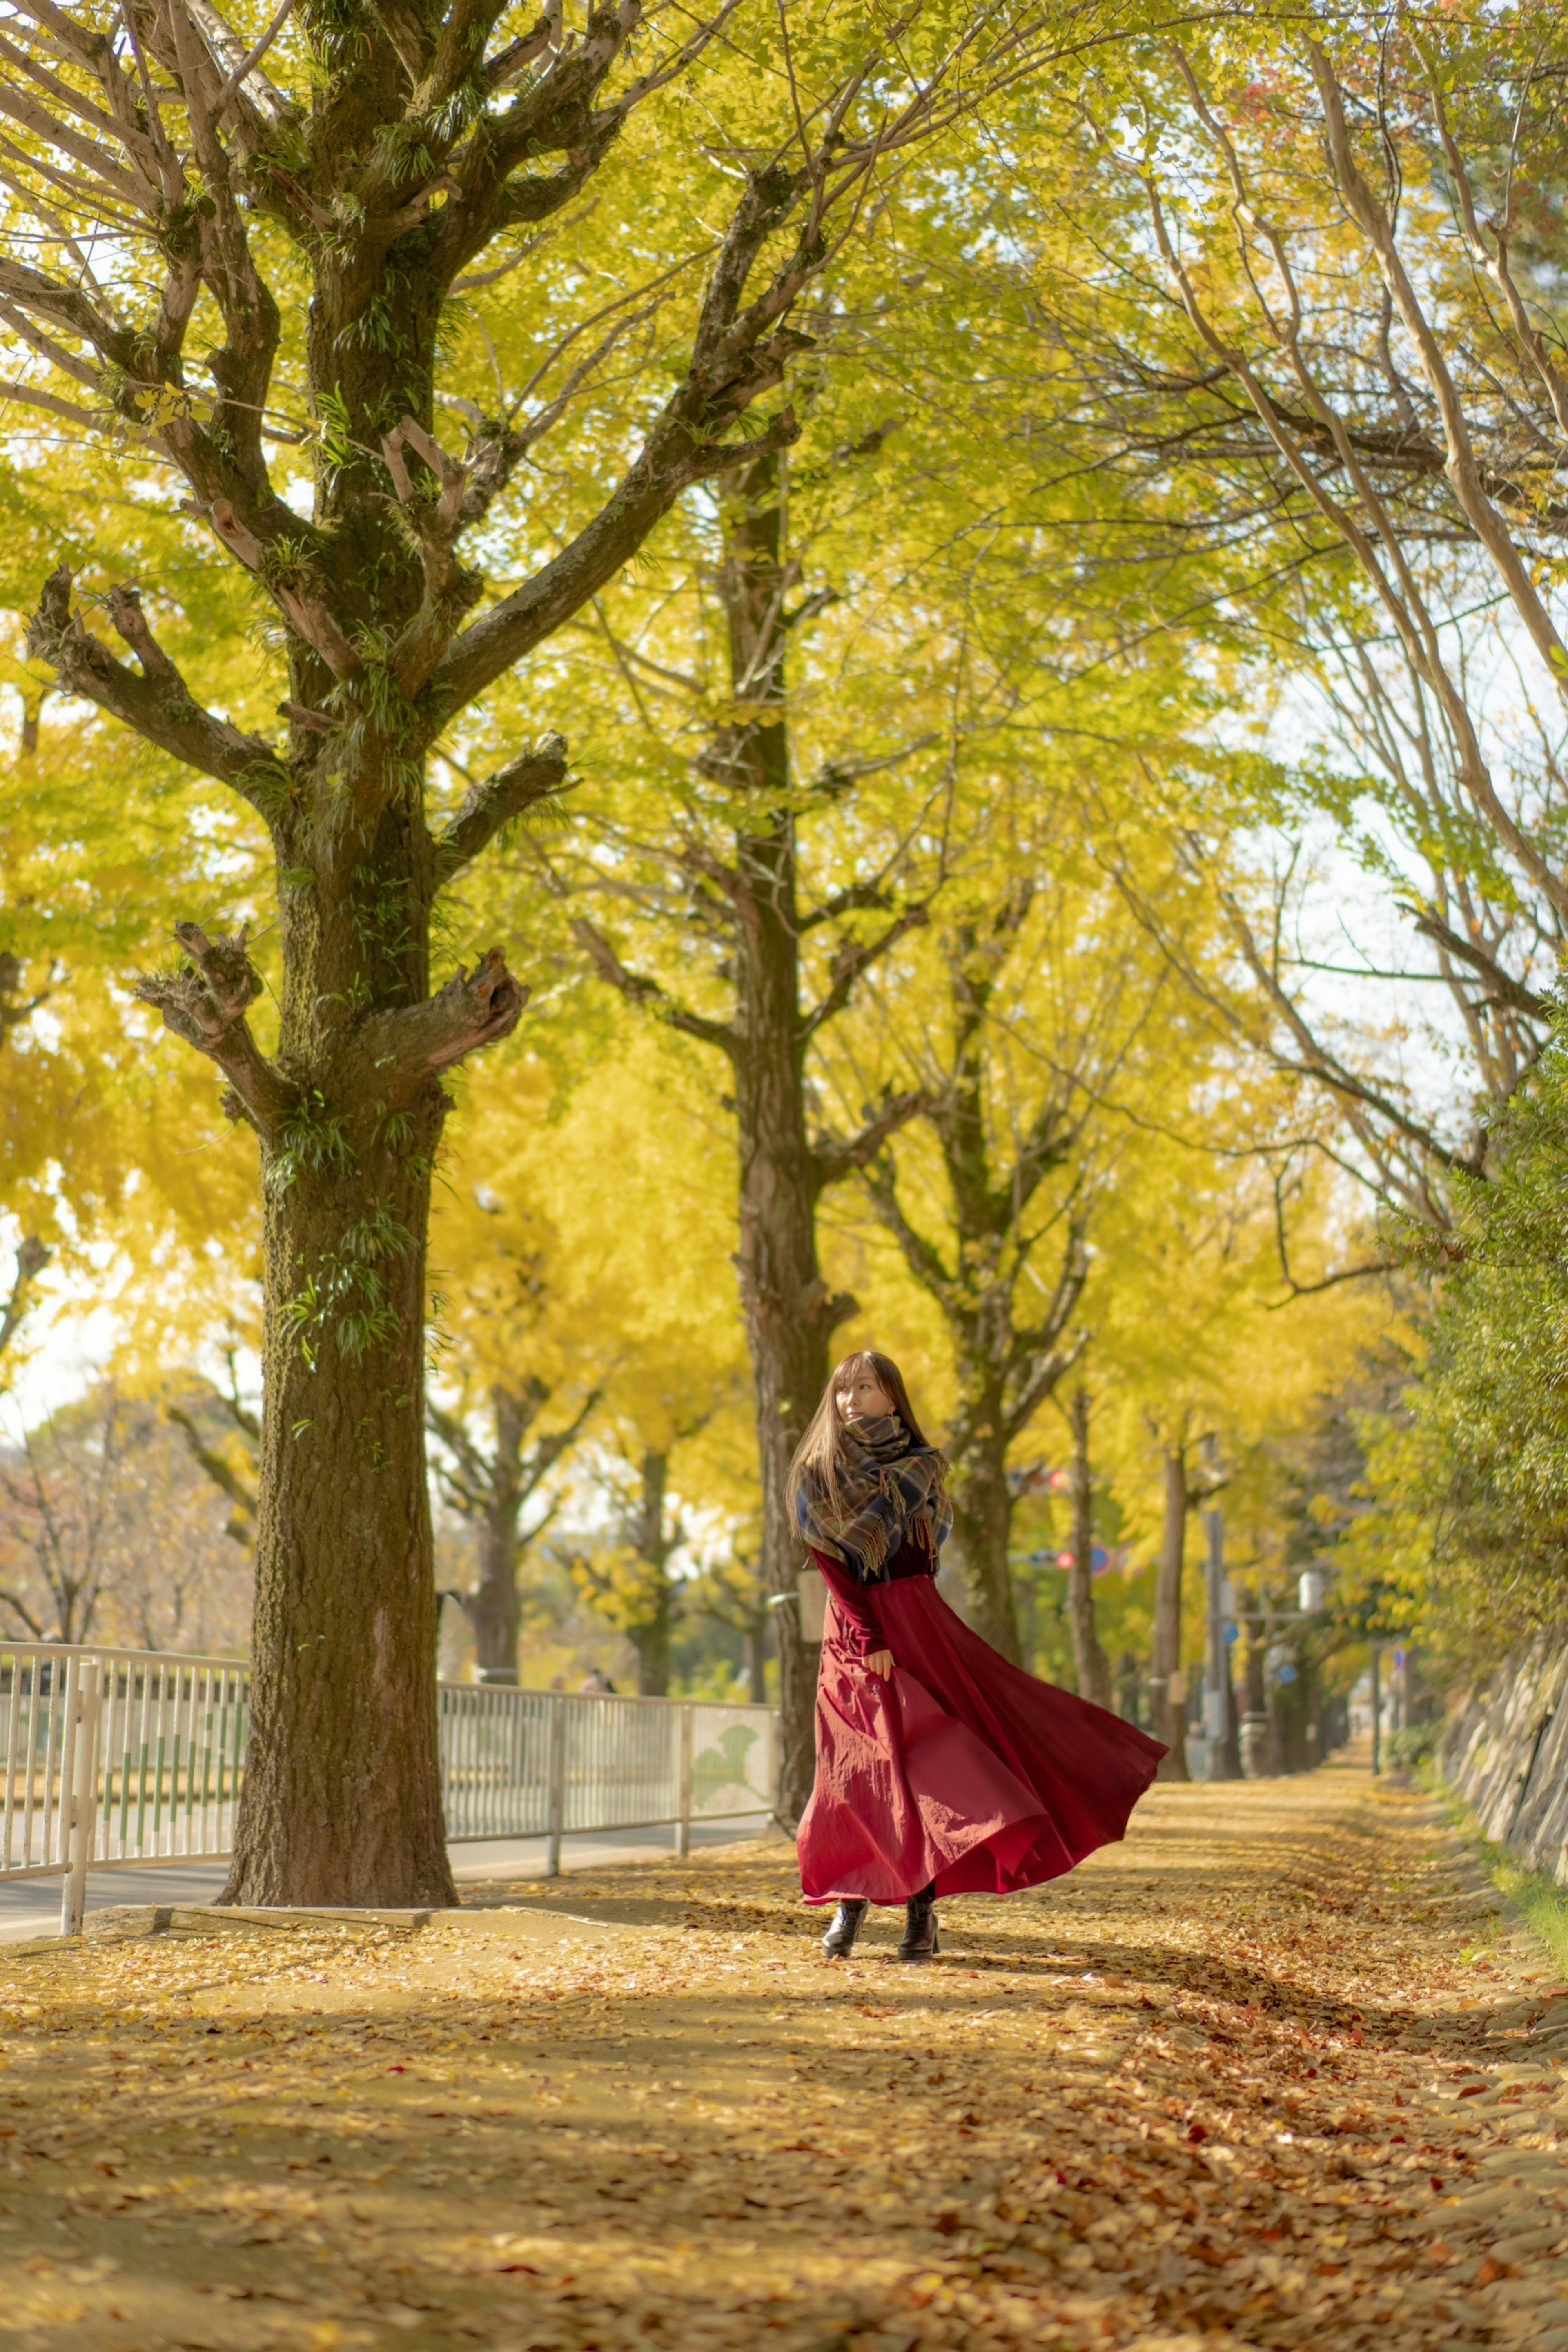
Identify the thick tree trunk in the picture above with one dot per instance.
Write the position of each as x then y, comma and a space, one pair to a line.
651, 1643
982, 1531
342, 1798
1170, 1706
757, 1664
788, 1326
650, 1637
1091, 1664
495, 1608
789, 1316
1130, 1688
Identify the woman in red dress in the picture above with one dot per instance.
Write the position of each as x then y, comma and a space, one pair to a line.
941, 1770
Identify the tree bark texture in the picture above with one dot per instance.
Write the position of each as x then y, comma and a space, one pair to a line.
495, 1609
982, 1531
342, 1799
757, 1662
649, 1634
1170, 1712
790, 1316
1091, 1664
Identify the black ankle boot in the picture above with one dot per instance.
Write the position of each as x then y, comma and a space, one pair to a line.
839, 1941
922, 1939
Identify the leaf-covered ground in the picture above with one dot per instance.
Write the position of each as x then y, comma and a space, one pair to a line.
1270, 2074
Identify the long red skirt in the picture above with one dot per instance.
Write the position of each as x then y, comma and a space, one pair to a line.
959, 1767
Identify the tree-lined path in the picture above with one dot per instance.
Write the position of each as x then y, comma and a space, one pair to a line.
1271, 2073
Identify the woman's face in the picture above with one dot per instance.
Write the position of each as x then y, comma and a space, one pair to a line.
863, 1398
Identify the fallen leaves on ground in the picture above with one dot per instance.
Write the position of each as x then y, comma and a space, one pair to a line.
1269, 2074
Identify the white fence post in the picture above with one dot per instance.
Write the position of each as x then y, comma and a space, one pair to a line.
555, 1802
683, 1825
84, 1705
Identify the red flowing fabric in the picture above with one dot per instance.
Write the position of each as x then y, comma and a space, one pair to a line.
958, 1768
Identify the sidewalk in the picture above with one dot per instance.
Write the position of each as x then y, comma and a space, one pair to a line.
31, 1906
1272, 2076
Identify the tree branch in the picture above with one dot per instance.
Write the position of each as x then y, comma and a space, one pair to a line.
854, 957
206, 1003
155, 700
639, 988
448, 1428
834, 1161
409, 1046
1504, 988
919, 1255
537, 775
31, 1259
547, 1451
1329, 1282
1038, 1346
220, 1472
844, 902
734, 361
14, 1601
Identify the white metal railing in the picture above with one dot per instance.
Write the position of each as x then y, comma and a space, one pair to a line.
132, 1756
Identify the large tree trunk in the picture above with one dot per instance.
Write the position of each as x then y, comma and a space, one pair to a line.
650, 1638
1091, 1664
757, 1662
789, 1316
1170, 1712
982, 1531
341, 1797
495, 1608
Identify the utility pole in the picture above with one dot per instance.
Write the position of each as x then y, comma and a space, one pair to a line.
1219, 1699
1377, 1707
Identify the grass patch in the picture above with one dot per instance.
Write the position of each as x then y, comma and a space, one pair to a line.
1541, 1902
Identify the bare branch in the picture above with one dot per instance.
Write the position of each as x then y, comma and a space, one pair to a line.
639, 988
1504, 988
407, 1047
32, 1257
834, 1160
155, 701
206, 1003
854, 957
1329, 1282
15, 1601
538, 775
220, 1471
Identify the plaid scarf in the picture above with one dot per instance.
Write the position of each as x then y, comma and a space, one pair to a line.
891, 1490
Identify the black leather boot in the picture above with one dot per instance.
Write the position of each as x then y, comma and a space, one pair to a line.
839, 1941
921, 1939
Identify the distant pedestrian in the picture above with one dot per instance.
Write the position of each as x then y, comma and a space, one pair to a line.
596, 1679
941, 1770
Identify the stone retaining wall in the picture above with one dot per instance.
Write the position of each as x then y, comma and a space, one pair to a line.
1505, 1752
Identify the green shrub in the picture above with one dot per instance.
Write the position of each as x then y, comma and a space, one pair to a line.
1416, 1744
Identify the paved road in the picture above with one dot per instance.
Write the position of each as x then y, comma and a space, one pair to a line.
31, 1906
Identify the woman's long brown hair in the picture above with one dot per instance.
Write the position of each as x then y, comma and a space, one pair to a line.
819, 1456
